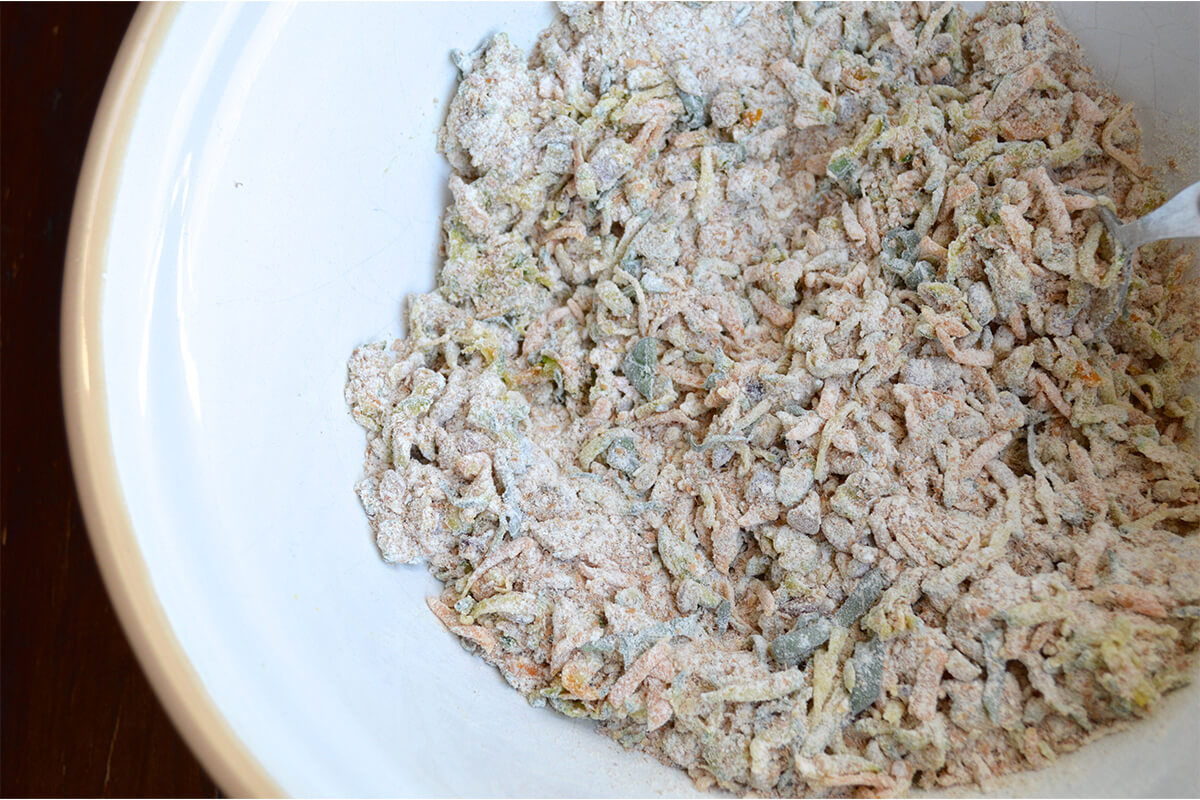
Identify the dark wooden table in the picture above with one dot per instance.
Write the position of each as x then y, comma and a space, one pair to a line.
78, 715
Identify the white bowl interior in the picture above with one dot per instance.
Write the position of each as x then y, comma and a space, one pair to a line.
280, 196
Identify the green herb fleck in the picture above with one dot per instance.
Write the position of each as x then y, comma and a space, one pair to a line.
640, 365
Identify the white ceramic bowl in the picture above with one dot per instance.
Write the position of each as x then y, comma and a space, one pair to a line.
260, 192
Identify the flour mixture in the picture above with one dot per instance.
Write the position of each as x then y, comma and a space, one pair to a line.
780, 408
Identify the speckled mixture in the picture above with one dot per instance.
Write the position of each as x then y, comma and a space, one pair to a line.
781, 408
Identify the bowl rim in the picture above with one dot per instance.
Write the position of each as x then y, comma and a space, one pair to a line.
109, 526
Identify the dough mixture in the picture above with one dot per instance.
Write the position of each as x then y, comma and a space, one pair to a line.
781, 405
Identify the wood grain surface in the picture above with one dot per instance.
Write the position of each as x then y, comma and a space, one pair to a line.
79, 718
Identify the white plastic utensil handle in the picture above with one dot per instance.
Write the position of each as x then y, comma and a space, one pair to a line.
1178, 218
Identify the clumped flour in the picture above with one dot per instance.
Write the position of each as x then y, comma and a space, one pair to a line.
780, 406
